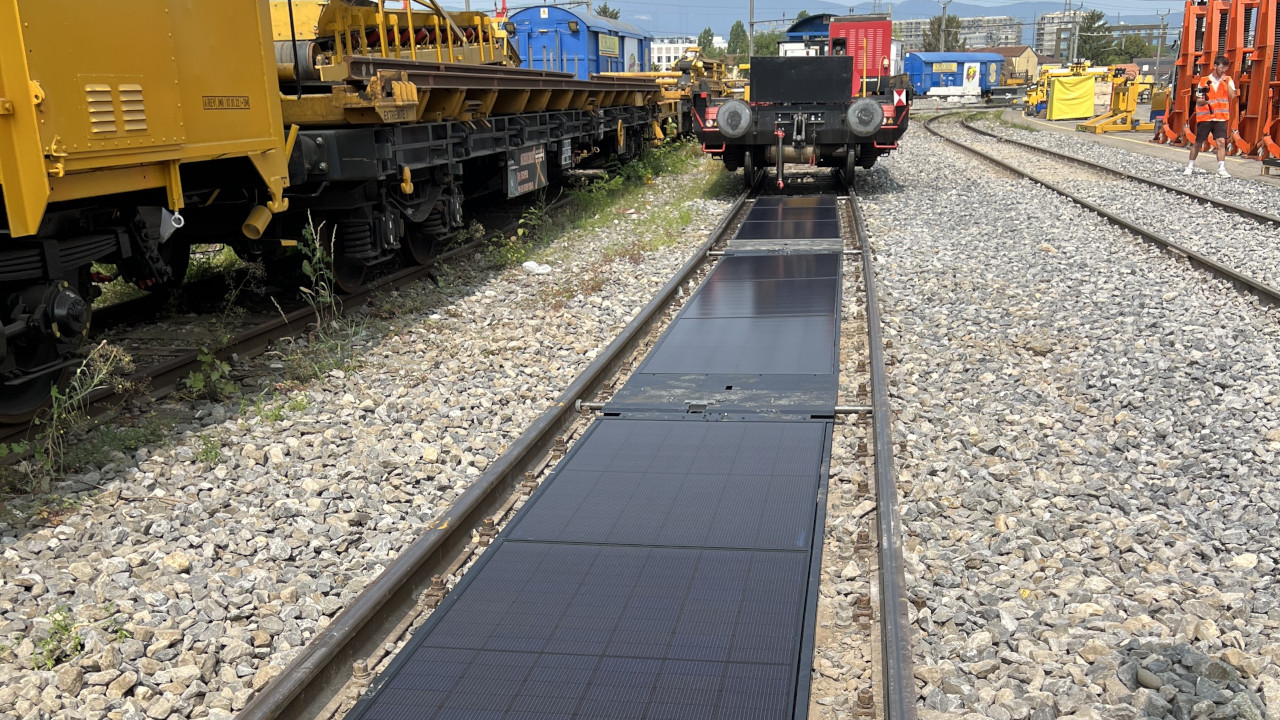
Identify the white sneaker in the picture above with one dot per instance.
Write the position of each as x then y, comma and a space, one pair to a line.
1190, 169
1222, 172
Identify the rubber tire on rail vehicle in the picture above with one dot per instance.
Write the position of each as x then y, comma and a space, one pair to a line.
734, 119
864, 117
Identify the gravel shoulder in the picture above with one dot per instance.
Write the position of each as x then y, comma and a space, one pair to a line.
1240, 243
1089, 479
191, 573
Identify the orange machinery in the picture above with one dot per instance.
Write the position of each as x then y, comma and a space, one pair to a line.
1245, 31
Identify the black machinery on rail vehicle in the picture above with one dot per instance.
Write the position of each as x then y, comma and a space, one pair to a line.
842, 108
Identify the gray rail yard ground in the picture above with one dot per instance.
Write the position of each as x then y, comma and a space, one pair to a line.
1088, 433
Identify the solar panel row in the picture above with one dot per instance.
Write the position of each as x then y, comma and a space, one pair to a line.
663, 570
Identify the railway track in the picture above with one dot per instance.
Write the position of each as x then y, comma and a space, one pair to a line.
168, 356
642, 381
1038, 164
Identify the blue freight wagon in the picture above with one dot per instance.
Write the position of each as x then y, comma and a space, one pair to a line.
573, 40
954, 73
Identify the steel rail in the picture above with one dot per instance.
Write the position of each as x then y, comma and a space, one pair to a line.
1198, 197
325, 664
1264, 292
898, 689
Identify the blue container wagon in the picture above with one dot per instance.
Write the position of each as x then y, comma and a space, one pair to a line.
573, 40
954, 73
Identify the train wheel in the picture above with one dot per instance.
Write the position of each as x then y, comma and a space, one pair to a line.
417, 247
750, 172
850, 162
348, 274
22, 401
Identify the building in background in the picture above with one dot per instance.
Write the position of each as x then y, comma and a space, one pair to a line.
1150, 34
911, 32
991, 31
667, 50
1053, 33
1147, 66
987, 30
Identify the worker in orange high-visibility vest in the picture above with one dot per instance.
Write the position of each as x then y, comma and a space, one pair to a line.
1214, 94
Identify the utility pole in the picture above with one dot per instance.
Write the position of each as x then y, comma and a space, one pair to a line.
1160, 45
1075, 32
942, 33
751, 32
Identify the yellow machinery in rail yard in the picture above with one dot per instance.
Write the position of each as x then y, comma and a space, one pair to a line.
1122, 116
359, 63
692, 73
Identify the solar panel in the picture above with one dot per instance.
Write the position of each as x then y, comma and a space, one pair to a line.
749, 485
792, 213
764, 298
570, 631
777, 267
803, 344
789, 230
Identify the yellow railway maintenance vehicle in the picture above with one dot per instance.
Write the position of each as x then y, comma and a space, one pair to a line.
1123, 114
241, 121
693, 73
163, 115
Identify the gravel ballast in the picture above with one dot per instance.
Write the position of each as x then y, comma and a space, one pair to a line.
1244, 244
192, 581
1238, 189
1089, 482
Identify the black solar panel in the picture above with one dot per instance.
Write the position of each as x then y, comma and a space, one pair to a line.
750, 485
777, 267
794, 230
795, 202
570, 631
788, 213
803, 344
764, 298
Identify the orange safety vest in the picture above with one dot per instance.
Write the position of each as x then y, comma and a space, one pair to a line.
1219, 105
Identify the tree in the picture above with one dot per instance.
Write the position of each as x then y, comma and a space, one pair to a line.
706, 40
738, 39
802, 15
605, 11
1128, 48
1094, 41
767, 42
934, 32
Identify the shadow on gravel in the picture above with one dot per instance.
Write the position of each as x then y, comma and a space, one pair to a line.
1164, 679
